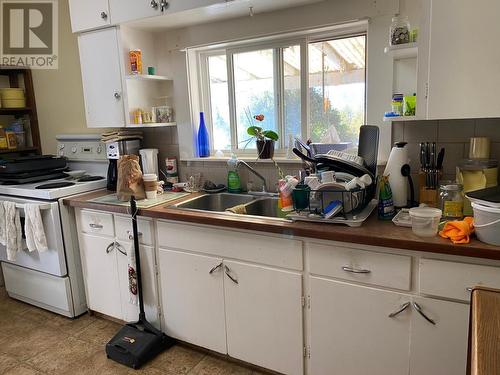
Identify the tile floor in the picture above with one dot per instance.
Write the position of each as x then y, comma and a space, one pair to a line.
36, 342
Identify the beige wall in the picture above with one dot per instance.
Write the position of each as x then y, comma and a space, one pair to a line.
59, 95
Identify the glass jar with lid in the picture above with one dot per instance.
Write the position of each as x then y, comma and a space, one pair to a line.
451, 200
399, 31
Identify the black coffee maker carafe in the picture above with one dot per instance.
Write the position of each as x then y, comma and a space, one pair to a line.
114, 150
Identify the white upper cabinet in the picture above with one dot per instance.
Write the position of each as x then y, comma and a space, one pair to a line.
464, 60
101, 78
89, 14
129, 10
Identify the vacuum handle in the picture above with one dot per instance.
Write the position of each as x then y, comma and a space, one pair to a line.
135, 231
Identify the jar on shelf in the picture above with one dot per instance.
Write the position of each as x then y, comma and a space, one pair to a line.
399, 31
451, 200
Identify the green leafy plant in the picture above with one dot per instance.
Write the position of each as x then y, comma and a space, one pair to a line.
258, 133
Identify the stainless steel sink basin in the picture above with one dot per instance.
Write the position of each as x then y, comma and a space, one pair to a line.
215, 202
263, 207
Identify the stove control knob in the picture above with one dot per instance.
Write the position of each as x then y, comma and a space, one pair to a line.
61, 146
74, 149
61, 152
98, 149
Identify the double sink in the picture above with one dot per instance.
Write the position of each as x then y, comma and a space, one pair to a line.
262, 206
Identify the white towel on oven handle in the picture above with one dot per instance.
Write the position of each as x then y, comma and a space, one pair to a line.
3, 238
33, 228
13, 232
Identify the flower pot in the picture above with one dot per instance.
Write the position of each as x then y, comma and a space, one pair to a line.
265, 149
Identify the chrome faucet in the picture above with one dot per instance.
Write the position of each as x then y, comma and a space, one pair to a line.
245, 164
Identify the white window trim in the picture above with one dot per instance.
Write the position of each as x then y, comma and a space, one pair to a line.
197, 75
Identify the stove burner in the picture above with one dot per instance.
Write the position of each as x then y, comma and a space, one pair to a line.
90, 178
55, 185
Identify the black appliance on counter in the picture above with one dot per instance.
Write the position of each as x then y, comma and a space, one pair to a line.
113, 152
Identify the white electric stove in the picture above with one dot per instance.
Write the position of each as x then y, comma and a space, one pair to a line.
53, 279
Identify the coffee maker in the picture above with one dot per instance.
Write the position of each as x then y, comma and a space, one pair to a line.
113, 152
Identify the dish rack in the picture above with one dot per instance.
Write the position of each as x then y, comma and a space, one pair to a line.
356, 205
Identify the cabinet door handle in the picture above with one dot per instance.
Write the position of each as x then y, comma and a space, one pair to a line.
154, 4
228, 273
469, 289
215, 268
110, 247
120, 248
421, 312
95, 226
402, 308
163, 5
117, 95
355, 270
104, 15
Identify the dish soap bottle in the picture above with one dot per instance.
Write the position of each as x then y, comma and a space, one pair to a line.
203, 138
233, 179
386, 209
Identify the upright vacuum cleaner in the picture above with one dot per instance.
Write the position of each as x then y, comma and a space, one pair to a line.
137, 343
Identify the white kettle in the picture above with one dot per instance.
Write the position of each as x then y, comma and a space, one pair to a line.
398, 176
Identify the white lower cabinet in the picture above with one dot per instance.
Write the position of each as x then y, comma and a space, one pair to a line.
351, 332
439, 348
264, 316
193, 299
100, 275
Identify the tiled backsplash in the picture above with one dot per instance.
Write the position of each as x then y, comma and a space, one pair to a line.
453, 135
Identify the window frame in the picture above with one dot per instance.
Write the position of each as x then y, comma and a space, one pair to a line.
303, 39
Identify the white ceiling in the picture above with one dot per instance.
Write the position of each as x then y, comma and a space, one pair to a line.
217, 12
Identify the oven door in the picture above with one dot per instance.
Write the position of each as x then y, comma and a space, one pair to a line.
52, 261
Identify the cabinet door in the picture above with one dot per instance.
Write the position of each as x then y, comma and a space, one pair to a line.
100, 275
101, 78
440, 348
193, 299
131, 311
88, 14
352, 333
463, 65
264, 316
128, 10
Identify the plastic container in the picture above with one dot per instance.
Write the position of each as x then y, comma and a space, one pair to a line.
399, 31
487, 223
425, 221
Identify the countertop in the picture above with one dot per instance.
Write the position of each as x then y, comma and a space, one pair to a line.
372, 232
485, 332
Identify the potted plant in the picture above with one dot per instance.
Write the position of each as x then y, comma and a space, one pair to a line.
263, 138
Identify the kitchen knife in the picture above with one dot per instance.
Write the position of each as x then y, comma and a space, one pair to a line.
440, 159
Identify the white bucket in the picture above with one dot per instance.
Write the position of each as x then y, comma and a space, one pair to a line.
487, 223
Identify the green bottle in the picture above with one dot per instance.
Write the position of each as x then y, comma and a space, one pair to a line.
233, 179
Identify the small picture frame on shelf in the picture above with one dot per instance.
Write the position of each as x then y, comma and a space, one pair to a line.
164, 114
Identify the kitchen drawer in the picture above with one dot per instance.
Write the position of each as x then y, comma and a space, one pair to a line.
388, 270
96, 223
123, 226
454, 280
269, 250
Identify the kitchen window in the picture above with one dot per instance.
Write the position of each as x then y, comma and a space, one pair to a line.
311, 88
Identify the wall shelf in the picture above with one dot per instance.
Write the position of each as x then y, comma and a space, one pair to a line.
147, 77
400, 118
14, 111
153, 125
402, 51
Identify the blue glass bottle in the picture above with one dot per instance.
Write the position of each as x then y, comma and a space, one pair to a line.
203, 138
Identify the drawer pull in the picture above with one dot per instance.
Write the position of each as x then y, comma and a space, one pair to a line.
131, 236
402, 308
110, 247
421, 312
215, 268
228, 273
95, 226
355, 270
120, 248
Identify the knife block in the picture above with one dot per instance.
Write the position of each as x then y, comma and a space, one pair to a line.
426, 195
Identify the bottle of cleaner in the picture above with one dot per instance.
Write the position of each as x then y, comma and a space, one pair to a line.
233, 179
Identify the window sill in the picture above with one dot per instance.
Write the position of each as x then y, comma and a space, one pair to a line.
213, 159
